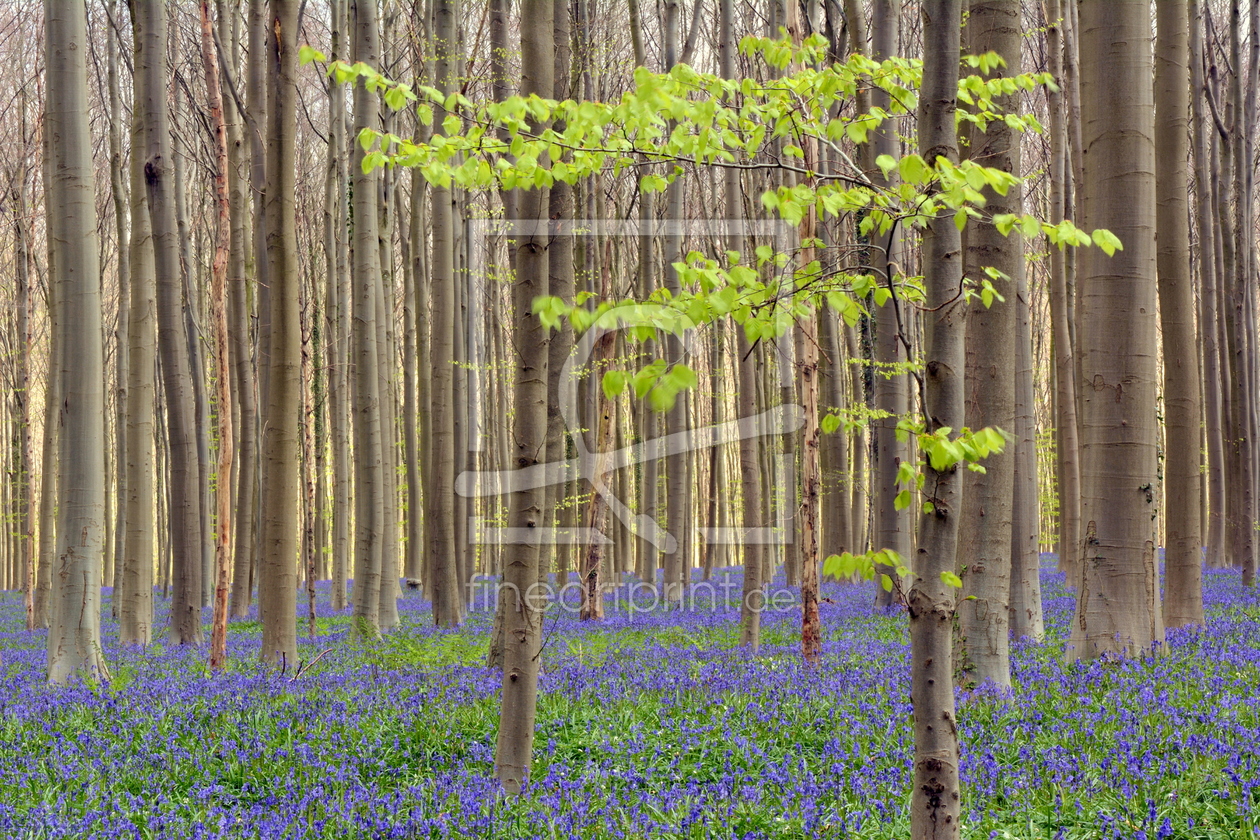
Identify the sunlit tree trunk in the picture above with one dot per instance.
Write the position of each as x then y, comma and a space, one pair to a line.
1118, 605
74, 635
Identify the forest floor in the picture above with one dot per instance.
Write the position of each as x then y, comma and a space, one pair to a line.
653, 724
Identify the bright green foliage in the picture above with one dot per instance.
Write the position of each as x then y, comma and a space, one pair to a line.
685, 117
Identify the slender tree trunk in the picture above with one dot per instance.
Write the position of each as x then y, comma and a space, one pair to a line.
369, 481
74, 637
337, 318
118, 194
277, 565
892, 528
523, 612
984, 547
1066, 442
1202, 134
1027, 618
934, 807
244, 380
1183, 543
185, 513
443, 580
1117, 605
218, 310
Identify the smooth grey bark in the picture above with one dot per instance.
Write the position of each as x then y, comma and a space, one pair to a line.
369, 468
1067, 445
242, 264
892, 528
119, 199
1027, 617
442, 580
150, 24
1183, 543
281, 443
135, 601
522, 607
1206, 264
985, 543
1118, 604
74, 634
337, 320
935, 801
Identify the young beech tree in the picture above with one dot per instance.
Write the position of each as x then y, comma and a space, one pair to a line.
708, 120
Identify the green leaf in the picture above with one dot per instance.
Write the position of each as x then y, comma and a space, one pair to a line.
614, 382
951, 579
886, 163
830, 423
366, 138
886, 582
1108, 241
902, 501
307, 54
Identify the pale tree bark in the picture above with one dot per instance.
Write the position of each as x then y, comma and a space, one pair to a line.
149, 20
135, 601
561, 283
522, 600
337, 319
442, 580
1183, 543
118, 196
1067, 447
26, 510
592, 569
984, 546
1202, 134
244, 381
277, 564
415, 349
1118, 604
934, 805
74, 636
369, 481
218, 316
1027, 617
752, 596
892, 528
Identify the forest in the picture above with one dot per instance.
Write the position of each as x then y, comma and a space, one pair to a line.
601, 419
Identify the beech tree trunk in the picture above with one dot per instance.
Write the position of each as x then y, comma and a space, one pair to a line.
1183, 543
74, 633
1118, 604
185, 523
519, 591
984, 547
442, 581
934, 805
281, 524
892, 528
